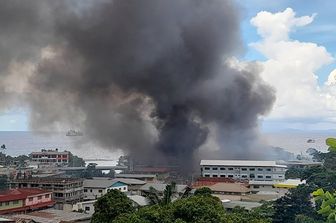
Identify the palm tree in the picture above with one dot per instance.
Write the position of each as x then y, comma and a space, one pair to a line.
170, 193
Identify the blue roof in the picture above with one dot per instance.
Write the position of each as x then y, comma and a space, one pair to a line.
118, 184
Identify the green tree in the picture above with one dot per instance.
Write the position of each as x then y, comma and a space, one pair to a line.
296, 202
203, 191
111, 205
328, 204
169, 193
76, 161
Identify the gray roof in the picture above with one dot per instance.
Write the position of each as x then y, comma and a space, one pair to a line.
161, 187
139, 200
239, 163
244, 204
130, 181
134, 175
97, 183
54, 216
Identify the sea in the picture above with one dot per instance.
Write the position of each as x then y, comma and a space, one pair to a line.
18, 143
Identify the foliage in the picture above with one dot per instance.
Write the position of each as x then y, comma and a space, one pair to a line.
294, 173
75, 161
331, 142
111, 205
328, 205
3, 182
7, 160
169, 193
305, 219
296, 202
194, 209
266, 210
203, 191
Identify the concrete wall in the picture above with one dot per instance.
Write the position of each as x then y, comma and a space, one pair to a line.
37, 199
11, 204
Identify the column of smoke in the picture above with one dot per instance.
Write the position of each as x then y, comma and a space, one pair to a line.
150, 77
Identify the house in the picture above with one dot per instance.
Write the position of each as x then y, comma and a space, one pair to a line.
230, 188
85, 206
22, 200
243, 170
138, 200
95, 188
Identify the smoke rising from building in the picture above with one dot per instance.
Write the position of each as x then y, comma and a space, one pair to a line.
151, 77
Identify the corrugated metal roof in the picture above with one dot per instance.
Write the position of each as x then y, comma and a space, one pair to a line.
239, 163
161, 187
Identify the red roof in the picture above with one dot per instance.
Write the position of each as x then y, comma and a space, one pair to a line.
20, 194
26, 208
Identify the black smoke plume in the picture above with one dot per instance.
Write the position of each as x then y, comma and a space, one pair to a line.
151, 77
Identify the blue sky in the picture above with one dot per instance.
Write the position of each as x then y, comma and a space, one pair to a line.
321, 31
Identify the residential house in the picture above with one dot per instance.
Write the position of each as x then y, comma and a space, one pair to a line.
22, 200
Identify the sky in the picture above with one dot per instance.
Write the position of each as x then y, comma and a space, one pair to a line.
294, 43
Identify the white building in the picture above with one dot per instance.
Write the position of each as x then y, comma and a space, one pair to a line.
243, 169
94, 189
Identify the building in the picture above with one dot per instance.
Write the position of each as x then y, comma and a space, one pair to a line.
160, 187
85, 206
300, 164
138, 176
94, 188
65, 190
53, 216
243, 169
51, 157
22, 200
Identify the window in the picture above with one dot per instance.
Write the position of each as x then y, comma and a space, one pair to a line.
7, 203
100, 191
124, 188
214, 168
280, 176
206, 175
268, 169
85, 190
215, 175
15, 202
222, 168
0, 204
260, 169
268, 177
87, 208
252, 169
260, 176
222, 175
39, 197
244, 176
47, 195
91, 190
243, 169
207, 168
30, 199
230, 176
252, 176
255, 186
230, 168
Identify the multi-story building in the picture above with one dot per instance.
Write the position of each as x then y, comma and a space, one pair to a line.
50, 157
243, 169
65, 190
22, 200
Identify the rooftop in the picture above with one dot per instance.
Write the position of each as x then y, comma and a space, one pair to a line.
54, 216
161, 187
230, 187
135, 175
51, 180
20, 194
97, 183
256, 163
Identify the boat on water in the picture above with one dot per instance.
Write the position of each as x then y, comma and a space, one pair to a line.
310, 141
74, 133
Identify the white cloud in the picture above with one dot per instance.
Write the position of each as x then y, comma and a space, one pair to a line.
291, 66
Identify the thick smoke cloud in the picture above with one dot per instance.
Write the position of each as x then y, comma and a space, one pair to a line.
149, 77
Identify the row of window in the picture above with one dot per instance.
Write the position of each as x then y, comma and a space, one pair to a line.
242, 169
242, 176
39, 197
7, 203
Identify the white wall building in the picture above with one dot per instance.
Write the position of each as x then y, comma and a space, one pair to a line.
94, 189
243, 169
